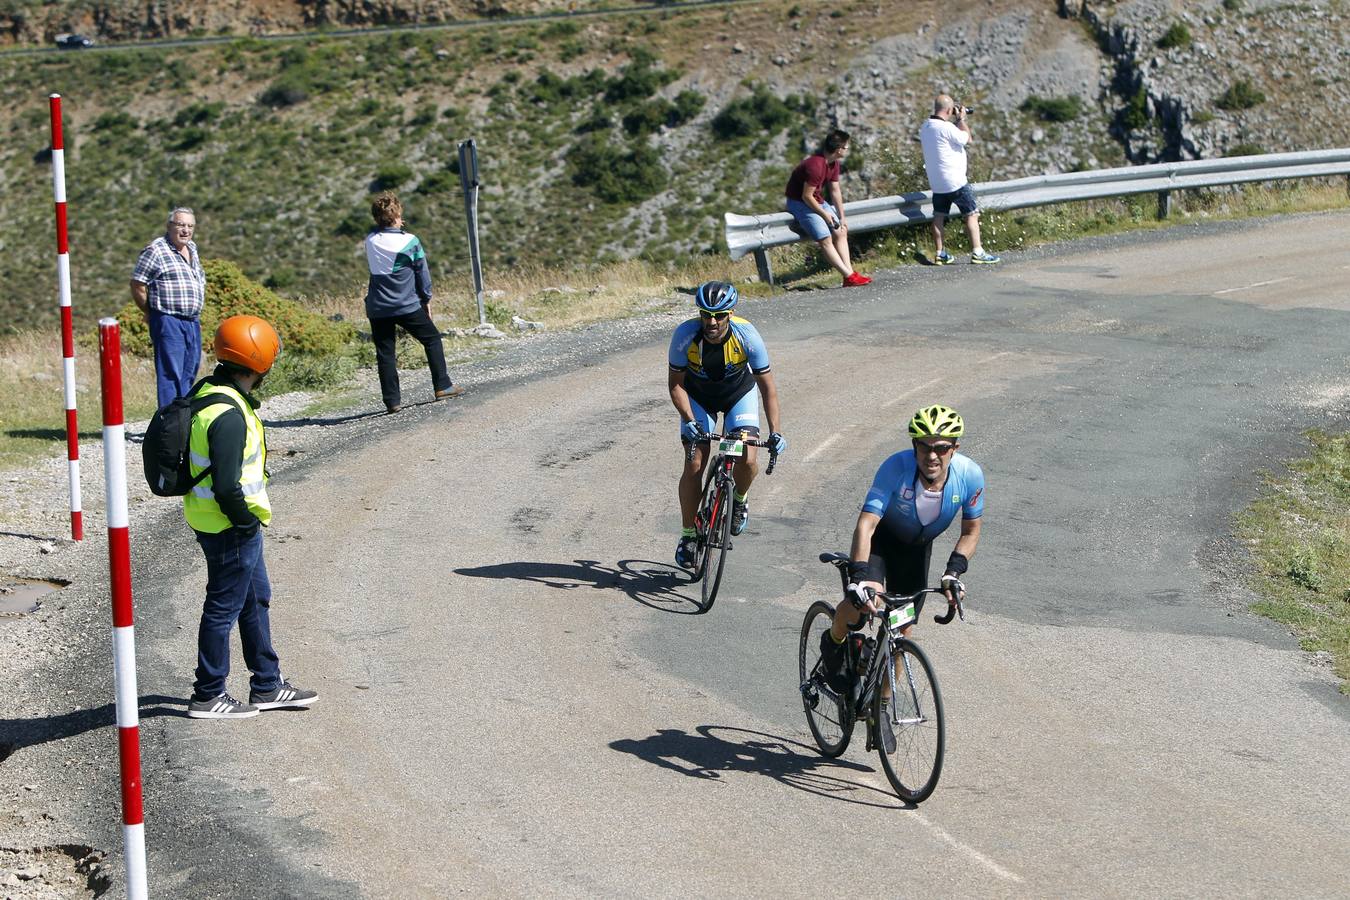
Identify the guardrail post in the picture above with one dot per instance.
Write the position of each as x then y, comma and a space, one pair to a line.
762, 265
1164, 204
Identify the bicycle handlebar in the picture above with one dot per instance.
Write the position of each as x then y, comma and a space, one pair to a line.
749, 442
890, 601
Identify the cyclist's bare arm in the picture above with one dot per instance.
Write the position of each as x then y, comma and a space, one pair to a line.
970, 537
768, 390
862, 545
679, 396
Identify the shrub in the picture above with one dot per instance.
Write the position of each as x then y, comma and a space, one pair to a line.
687, 105
616, 175
1053, 109
115, 124
1244, 149
1232, 5
638, 80
441, 181
391, 176
648, 117
188, 138
198, 114
229, 292
1135, 113
761, 112
1178, 35
1240, 95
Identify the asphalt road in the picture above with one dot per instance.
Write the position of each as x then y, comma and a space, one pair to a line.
516, 699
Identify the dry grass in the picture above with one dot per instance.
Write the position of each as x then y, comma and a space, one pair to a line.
32, 396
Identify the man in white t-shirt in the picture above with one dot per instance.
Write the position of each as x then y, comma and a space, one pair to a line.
945, 136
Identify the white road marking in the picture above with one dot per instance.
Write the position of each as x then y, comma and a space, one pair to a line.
1254, 285
825, 444
974, 854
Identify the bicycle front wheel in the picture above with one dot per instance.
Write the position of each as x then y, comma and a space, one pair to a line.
719, 540
828, 715
915, 714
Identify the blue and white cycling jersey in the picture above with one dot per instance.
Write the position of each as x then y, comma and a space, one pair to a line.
896, 487
717, 375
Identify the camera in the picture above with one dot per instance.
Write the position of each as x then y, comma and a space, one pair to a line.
958, 110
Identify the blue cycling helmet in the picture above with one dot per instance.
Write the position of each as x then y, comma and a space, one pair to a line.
716, 296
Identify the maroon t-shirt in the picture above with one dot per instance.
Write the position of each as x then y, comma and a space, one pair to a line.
815, 171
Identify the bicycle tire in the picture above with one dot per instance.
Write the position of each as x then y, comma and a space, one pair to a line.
719, 541
705, 506
828, 715
920, 737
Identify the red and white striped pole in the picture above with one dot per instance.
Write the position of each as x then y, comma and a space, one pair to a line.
124, 635
67, 329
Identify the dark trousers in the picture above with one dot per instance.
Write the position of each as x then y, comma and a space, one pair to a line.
419, 325
178, 352
237, 590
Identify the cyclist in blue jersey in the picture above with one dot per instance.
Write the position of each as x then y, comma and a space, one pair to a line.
915, 496
718, 364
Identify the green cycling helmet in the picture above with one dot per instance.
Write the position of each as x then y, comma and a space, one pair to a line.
936, 421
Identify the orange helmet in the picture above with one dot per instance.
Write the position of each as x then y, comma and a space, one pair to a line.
247, 341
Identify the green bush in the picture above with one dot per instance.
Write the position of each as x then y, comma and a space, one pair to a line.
1232, 5
229, 292
1053, 109
1245, 149
687, 105
1135, 113
617, 175
638, 80
391, 176
1178, 35
760, 113
1240, 95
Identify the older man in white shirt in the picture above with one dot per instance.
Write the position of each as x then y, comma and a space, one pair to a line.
945, 136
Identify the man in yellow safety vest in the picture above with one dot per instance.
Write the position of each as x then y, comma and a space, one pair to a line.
227, 510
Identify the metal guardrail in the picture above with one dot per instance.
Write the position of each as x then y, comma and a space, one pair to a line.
755, 234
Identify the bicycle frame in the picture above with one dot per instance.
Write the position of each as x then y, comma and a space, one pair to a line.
884, 651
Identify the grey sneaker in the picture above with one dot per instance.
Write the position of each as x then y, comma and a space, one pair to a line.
283, 696
221, 706
985, 258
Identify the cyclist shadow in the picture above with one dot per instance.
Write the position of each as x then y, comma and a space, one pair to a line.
708, 755
650, 583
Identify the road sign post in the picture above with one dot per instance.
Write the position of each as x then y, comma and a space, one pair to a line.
468, 178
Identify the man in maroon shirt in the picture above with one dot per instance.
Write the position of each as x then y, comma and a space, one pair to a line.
824, 222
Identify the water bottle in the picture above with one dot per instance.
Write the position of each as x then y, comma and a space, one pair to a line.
865, 656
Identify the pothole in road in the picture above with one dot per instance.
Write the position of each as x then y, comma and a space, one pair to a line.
21, 596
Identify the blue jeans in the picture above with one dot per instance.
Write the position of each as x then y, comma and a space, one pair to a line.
237, 589
178, 354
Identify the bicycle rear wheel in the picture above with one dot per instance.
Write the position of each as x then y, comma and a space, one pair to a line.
916, 715
828, 715
719, 540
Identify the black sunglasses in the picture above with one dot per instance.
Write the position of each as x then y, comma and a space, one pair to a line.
712, 315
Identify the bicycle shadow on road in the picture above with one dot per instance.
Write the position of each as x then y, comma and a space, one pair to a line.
20, 733
721, 748
650, 583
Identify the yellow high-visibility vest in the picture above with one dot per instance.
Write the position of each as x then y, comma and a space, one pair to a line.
200, 508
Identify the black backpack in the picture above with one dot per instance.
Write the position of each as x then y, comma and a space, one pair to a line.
165, 451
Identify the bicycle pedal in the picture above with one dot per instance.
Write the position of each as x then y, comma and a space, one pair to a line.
811, 693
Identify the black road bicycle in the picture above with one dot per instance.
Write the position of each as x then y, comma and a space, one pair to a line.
915, 710
712, 522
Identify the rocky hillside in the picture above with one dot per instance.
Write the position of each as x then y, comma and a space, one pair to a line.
603, 137
116, 21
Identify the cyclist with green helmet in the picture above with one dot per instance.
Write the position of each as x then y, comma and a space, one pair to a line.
915, 496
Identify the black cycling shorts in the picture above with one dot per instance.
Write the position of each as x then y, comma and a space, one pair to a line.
901, 568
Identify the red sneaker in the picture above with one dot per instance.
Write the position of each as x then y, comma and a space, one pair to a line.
856, 280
